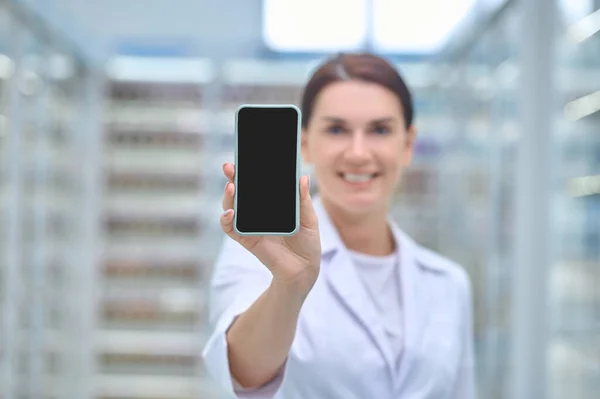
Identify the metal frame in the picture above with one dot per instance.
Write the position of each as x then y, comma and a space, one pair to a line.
12, 287
469, 32
42, 28
37, 349
534, 198
86, 262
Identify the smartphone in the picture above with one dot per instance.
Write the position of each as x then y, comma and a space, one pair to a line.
267, 176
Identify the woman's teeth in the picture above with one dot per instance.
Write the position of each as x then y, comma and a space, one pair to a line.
353, 178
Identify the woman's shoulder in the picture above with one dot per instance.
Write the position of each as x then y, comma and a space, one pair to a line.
437, 262
432, 261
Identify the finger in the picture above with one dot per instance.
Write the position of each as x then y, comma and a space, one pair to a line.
226, 221
308, 215
227, 201
229, 171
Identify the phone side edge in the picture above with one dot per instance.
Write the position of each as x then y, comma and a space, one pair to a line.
235, 174
298, 166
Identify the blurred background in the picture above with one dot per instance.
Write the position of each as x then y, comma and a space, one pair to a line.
115, 119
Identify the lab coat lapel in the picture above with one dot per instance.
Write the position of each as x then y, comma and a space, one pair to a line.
414, 296
344, 280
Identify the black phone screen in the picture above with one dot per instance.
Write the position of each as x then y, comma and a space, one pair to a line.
266, 170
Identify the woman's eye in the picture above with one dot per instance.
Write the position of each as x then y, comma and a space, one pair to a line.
381, 130
335, 130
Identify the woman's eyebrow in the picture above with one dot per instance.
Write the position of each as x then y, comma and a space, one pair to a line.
383, 120
336, 119
333, 119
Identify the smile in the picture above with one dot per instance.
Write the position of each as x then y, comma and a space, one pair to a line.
358, 178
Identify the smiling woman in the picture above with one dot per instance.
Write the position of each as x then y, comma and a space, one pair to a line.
357, 132
350, 306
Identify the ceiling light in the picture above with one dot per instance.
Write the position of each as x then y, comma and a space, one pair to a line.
585, 28
582, 107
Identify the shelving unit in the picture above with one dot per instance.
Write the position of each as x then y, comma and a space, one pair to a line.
40, 202
575, 280
152, 303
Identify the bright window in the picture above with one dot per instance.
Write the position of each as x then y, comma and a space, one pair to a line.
314, 25
408, 26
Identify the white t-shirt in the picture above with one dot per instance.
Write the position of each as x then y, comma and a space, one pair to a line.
380, 278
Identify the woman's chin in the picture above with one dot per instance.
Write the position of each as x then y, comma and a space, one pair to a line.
361, 202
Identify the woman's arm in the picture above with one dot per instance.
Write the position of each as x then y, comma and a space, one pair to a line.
259, 340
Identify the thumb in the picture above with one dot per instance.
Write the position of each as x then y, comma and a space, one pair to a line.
308, 215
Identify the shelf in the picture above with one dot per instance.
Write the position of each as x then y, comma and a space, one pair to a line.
149, 342
151, 225
155, 181
149, 139
152, 268
147, 364
236, 94
165, 205
160, 249
147, 387
569, 359
576, 283
128, 161
163, 92
168, 305
131, 360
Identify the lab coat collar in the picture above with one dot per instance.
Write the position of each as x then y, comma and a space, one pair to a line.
331, 240
421, 257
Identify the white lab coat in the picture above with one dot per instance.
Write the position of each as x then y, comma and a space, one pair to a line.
340, 349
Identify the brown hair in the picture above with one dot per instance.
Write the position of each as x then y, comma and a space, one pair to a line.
362, 66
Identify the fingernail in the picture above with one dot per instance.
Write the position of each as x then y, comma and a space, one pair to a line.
226, 185
227, 212
308, 177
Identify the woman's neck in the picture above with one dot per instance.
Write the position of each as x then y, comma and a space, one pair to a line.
368, 234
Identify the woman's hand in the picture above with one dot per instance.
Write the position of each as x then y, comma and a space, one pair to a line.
294, 260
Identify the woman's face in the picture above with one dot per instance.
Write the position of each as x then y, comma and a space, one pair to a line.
358, 145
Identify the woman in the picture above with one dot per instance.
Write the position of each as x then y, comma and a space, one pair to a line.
350, 306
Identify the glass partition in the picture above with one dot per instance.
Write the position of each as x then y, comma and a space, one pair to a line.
575, 351
478, 92
39, 202
480, 103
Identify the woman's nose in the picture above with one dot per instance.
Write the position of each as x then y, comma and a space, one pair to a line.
358, 149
